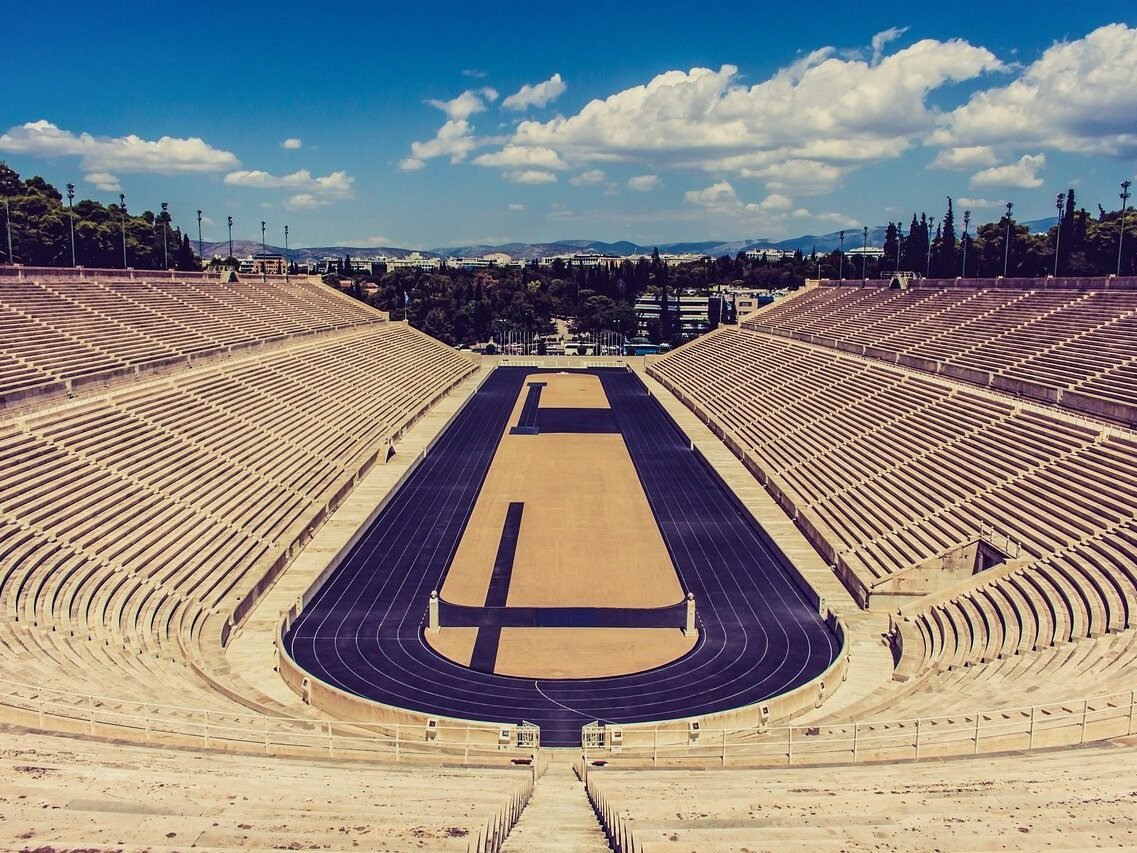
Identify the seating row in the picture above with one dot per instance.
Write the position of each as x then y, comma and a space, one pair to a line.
1073, 347
67, 331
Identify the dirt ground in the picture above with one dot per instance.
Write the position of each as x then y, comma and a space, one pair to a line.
587, 538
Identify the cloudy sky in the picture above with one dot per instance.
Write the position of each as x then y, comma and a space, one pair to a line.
451, 123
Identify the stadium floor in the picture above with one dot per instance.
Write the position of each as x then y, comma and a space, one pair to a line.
759, 636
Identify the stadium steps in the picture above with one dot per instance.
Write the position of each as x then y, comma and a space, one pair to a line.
558, 817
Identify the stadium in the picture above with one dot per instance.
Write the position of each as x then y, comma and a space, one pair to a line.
855, 572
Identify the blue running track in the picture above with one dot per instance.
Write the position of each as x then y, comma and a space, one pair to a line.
759, 637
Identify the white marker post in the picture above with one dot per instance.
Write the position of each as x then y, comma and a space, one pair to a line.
690, 628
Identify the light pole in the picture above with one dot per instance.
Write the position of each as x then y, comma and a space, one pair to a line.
864, 255
1125, 185
264, 253
1007, 240
899, 240
842, 256
287, 262
71, 214
1058, 231
967, 221
122, 203
8, 226
928, 262
200, 254
229, 260
165, 250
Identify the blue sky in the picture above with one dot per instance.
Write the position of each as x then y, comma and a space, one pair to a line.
413, 127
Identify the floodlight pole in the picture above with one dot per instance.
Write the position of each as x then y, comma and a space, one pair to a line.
1125, 185
1007, 240
8, 226
842, 277
864, 255
122, 203
264, 253
71, 215
287, 263
229, 260
928, 263
1058, 231
165, 249
966, 222
200, 254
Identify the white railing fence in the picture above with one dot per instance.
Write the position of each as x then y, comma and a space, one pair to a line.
1010, 729
149, 723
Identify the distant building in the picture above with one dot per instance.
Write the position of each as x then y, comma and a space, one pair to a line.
690, 314
263, 264
771, 255
867, 251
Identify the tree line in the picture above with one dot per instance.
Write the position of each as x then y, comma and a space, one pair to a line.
40, 227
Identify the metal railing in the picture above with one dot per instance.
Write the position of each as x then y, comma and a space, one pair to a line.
1008, 729
146, 723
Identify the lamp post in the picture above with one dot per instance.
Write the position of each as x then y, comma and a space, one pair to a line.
200, 254
229, 260
864, 255
842, 256
928, 262
71, 214
966, 222
287, 263
122, 203
8, 226
1007, 240
1125, 185
899, 240
165, 250
1058, 231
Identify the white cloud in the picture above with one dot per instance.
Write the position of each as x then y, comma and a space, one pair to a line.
469, 103
474, 72
536, 94
1079, 96
371, 242
644, 183
292, 143
129, 154
965, 157
517, 207
1023, 174
882, 39
775, 201
455, 139
977, 203
336, 185
530, 176
303, 201
584, 179
772, 214
515, 156
824, 114
104, 181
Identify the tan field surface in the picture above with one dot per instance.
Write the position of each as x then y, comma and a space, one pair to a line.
587, 539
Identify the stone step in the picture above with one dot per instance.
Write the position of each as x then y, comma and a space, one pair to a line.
558, 817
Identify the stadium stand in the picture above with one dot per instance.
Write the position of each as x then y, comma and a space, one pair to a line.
60, 334
1066, 345
997, 803
138, 522
82, 795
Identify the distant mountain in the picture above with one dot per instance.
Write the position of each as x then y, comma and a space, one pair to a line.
807, 243
244, 248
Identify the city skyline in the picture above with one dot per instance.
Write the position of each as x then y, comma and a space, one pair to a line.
469, 126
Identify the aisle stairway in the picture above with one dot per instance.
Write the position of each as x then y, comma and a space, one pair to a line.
558, 817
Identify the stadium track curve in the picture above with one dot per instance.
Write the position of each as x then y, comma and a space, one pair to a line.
759, 636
